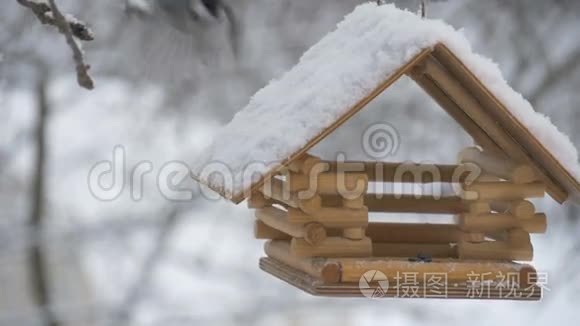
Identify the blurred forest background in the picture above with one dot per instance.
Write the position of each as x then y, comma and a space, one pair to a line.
67, 258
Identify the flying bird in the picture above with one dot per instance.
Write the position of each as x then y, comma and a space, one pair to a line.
188, 16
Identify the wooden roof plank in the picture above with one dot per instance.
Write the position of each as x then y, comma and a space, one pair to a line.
562, 183
482, 116
480, 137
349, 114
472, 107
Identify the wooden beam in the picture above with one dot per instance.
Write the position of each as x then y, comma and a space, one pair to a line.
500, 166
452, 271
257, 200
556, 177
519, 238
460, 95
353, 233
518, 208
332, 247
354, 203
349, 185
420, 233
478, 134
495, 250
391, 79
400, 233
329, 272
278, 190
499, 222
412, 204
402, 172
478, 207
313, 233
503, 190
264, 232
332, 217
305, 164
412, 250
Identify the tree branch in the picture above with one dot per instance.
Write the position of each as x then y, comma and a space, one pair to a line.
48, 13
42, 10
39, 273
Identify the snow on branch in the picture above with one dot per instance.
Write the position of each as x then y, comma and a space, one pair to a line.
48, 13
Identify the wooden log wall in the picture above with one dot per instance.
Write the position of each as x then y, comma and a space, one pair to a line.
500, 208
289, 208
306, 227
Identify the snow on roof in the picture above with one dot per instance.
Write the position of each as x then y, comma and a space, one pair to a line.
369, 46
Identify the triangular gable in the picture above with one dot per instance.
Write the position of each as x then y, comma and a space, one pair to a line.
489, 122
376, 45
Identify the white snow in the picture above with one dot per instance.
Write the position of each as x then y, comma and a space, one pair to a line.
366, 48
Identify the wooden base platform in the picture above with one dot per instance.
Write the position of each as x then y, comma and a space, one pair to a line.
380, 289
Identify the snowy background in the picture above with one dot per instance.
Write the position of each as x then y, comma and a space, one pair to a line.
161, 95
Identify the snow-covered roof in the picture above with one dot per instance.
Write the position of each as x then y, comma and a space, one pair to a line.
373, 44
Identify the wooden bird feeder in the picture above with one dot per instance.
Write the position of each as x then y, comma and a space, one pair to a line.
315, 216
